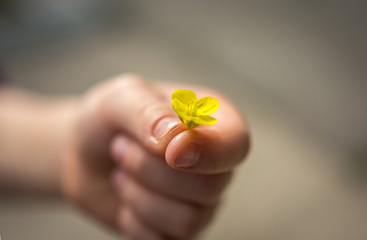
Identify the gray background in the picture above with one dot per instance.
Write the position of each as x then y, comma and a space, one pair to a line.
295, 68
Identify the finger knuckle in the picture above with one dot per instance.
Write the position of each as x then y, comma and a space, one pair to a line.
130, 80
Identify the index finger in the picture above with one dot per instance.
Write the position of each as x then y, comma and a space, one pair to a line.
210, 149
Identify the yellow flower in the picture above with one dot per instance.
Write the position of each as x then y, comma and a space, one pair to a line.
193, 112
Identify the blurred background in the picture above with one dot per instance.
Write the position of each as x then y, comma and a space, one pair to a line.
297, 69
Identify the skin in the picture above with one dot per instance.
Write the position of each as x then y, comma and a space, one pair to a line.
110, 153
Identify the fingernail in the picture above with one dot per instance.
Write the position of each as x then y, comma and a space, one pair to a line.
188, 156
164, 127
120, 147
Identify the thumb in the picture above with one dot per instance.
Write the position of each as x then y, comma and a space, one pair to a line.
134, 107
211, 149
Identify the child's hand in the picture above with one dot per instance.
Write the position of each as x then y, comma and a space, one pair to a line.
132, 164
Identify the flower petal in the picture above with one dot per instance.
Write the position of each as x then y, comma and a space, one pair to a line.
205, 120
184, 96
206, 106
180, 108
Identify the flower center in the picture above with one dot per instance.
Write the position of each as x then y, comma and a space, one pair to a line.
191, 108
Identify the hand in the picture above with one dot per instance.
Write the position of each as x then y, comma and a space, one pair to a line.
132, 164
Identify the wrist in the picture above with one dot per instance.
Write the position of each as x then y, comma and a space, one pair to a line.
39, 126
65, 117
